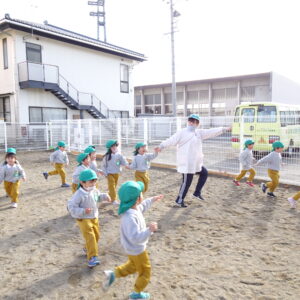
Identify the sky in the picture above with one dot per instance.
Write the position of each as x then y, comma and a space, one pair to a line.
214, 38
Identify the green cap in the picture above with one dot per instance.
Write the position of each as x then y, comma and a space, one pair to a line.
92, 146
139, 145
110, 143
89, 150
61, 144
194, 116
87, 175
247, 143
80, 157
128, 194
11, 150
277, 144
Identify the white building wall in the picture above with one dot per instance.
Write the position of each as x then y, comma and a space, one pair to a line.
87, 70
285, 90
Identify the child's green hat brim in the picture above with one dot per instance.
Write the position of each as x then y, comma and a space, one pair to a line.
128, 194
277, 144
139, 145
194, 116
248, 142
87, 175
11, 150
80, 157
89, 150
61, 144
110, 143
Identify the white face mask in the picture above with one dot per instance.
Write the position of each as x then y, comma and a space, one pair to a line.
90, 188
191, 127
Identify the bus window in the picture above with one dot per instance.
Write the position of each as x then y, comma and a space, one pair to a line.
248, 114
266, 114
237, 115
283, 120
291, 119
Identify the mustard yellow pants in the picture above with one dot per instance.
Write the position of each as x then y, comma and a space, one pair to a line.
274, 175
136, 264
143, 177
12, 190
243, 173
112, 181
74, 187
296, 196
91, 233
59, 169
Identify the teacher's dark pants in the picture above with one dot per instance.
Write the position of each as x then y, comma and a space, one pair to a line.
187, 181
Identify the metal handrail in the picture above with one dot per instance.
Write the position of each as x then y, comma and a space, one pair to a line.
70, 87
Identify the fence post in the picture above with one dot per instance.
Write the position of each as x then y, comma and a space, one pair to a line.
50, 130
47, 137
127, 125
100, 132
178, 124
119, 133
242, 120
5, 136
90, 133
79, 135
146, 131
69, 135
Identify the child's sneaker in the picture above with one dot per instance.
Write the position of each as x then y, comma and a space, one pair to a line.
263, 187
94, 261
236, 182
46, 175
271, 195
141, 295
292, 202
65, 185
109, 279
14, 205
250, 183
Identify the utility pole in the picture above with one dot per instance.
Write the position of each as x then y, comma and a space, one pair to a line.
100, 14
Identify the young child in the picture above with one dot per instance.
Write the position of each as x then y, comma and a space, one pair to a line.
134, 238
83, 207
91, 151
246, 160
141, 163
112, 162
293, 200
59, 157
83, 160
11, 172
273, 160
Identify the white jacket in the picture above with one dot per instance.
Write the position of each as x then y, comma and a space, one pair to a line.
189, 147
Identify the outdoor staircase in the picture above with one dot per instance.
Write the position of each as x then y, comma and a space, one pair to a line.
47, 77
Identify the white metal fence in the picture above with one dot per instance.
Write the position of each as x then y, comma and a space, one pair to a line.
220, 153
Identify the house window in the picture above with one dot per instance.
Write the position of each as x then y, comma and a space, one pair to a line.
5, 54
124, 81
153, 104
34, 53
5, 109
138, 104
46, 114
168, 103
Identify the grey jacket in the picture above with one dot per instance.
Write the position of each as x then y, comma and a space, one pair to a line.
11, 174
113, 166
59, 157
78, 170
142, 162
246, 159
273, 161
83, 199
94, 167
134, 233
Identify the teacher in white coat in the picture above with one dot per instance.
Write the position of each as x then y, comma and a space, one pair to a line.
190, 155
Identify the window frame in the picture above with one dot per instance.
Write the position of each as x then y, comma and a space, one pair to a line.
122, 81
27, 59
246, 118
5, 54
6, 113
263, 118
42, 115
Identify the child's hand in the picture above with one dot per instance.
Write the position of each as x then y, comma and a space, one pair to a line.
88, 211
156, 198
153, 226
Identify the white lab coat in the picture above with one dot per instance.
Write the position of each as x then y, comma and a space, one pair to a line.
189, 147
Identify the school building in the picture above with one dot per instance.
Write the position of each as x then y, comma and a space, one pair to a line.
215, 97
50, 73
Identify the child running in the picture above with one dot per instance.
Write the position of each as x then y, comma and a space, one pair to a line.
112, 162
293, 200
59, 157
246, 160
134, 238
141, 163
83, 160
83, 207
273, 160
11, 172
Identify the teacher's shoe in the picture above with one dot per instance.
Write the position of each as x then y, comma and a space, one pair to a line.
199, 197
180, 204
141, 295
